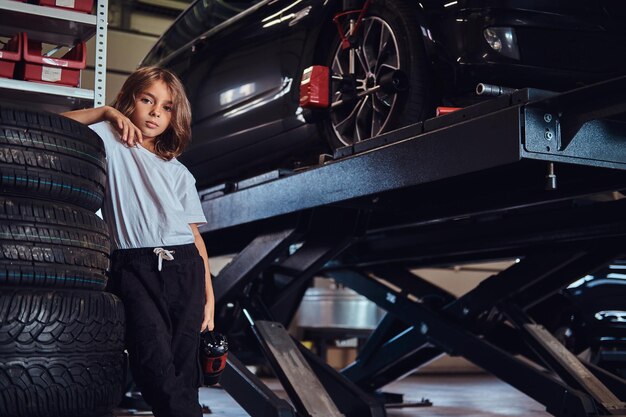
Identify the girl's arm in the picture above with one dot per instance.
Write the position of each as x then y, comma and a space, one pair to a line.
88, 116
129, 132
209, 305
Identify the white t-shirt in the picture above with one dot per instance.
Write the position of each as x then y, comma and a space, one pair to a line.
148, 202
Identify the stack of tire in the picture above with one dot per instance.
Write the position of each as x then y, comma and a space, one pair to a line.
61, 335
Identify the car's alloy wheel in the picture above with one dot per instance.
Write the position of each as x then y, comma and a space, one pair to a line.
377, 53
389, 39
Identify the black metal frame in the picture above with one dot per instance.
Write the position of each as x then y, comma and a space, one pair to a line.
458, 328
473, 185
482, 138
250, 392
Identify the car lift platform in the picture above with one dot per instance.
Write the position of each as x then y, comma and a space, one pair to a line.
532, 175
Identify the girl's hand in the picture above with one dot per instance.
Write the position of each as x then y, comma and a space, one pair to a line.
130, 134
207, 323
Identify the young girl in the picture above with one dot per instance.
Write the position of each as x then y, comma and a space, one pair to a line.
159, 267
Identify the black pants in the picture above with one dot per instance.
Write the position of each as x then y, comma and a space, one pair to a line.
164, 312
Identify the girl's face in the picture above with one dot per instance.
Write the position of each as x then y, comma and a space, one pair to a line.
153, 110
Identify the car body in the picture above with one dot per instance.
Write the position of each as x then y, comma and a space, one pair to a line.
242, 62
589, 317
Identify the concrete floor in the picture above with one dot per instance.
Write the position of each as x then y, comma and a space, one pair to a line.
470, 395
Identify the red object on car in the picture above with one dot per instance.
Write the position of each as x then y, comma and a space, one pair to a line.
64, 70
315, 87
10, 54
446, 110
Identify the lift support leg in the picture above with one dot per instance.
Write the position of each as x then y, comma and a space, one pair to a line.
250, 392
535, 277
285, 272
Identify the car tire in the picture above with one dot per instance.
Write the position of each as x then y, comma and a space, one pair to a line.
51, 245
61, 353
51, 157
52, 386
399, 18
41, 321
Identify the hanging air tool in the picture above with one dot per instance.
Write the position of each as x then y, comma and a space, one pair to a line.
213, 354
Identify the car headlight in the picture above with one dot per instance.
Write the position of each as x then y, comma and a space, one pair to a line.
503, 41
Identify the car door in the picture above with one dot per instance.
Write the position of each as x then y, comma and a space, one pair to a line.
240, 79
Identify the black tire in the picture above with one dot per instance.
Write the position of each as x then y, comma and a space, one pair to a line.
53, 386
61, 353
39, 321
405, 107
51, 157
48, 244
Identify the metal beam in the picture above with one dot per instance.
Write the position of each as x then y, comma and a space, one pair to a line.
475, 140
252, 260
559, 399
251, 393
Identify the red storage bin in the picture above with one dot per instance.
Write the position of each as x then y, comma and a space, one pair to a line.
64, 70
76, 5
10, 54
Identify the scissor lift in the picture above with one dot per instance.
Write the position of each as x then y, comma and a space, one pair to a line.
532, 175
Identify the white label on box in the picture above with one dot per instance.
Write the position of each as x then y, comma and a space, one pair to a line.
0, 54
56, 62
65, 3
51, 74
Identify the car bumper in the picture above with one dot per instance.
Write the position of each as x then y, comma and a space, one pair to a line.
555, 51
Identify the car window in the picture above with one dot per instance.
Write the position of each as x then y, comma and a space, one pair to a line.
200, 17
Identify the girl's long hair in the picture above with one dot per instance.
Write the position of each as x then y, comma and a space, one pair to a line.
177, 136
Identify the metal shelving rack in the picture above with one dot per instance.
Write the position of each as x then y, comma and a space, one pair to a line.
62, 27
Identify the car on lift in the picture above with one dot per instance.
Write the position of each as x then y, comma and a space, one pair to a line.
589, 317
392, 63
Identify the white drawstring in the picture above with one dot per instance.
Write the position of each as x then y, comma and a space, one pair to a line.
164, 254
